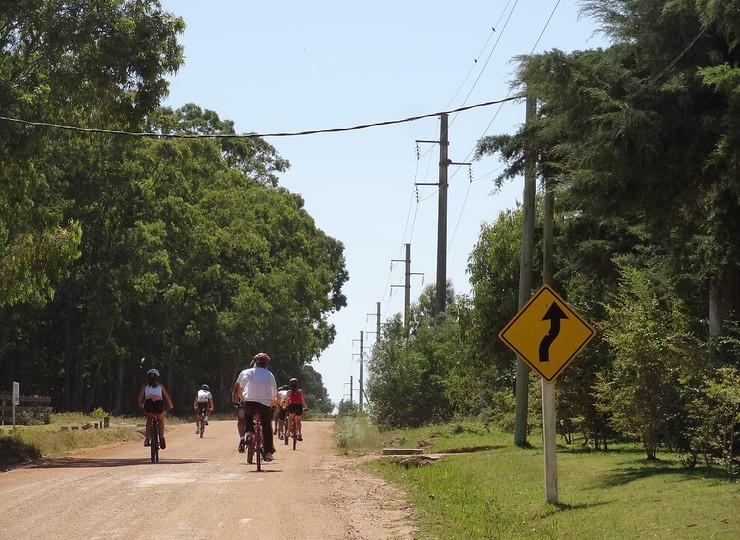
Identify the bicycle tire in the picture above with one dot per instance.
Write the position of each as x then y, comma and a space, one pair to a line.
286, 428
154, 441
250, 454
295, 431
258, 444
202, 426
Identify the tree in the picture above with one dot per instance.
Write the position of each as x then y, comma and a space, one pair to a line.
654, 370
66, 62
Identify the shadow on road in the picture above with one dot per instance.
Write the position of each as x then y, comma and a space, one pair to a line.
64, 463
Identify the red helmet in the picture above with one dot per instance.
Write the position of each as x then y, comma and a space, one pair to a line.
261, 359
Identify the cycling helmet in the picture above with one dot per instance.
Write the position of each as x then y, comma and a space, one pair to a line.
285, 387
153, 373
205, 387
261, 359
293, 380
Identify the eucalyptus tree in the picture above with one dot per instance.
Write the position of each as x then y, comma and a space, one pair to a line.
66, 63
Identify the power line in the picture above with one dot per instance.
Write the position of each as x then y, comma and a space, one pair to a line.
147, 134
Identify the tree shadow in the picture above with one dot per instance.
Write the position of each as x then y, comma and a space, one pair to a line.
72, 463
653, 468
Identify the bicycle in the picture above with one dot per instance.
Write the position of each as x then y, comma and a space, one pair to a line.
202, 423
292, 428
255, 446
286, 429
154, 437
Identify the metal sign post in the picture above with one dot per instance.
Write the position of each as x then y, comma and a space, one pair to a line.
16, 398
547, 334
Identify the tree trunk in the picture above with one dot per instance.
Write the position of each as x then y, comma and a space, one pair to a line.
724, 298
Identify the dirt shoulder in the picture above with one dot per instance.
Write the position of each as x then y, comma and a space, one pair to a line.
202, 488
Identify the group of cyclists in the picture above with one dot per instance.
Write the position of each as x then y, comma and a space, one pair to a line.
255, 392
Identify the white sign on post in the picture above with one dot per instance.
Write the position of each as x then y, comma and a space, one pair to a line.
16, 398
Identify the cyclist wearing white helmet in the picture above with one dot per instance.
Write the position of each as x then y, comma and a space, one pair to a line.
151, 398
203, 405
255, 391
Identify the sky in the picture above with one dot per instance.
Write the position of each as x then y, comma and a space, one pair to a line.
293, 66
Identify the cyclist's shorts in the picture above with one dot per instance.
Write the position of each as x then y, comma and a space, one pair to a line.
296, 408
202, 408
282, 413
154, 406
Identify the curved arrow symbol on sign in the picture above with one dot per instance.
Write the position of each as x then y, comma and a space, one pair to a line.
554, 314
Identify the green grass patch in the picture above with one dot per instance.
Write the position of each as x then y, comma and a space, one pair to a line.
66, 432
474, 492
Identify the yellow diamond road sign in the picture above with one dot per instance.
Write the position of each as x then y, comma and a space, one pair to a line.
547, 333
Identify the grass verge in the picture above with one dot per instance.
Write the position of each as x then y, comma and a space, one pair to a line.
28, 443
482, 486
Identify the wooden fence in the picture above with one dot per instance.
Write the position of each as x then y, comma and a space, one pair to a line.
38, 407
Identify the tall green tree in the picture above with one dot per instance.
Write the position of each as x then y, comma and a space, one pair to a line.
99, 64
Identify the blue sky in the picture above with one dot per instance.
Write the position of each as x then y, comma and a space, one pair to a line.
292, 66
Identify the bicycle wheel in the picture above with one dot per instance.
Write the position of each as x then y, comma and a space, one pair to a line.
154, 441
294, 427
202, 425
286, 430
258, 446
250, 454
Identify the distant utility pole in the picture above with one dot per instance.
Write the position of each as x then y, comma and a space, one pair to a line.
361, 380
444, 163
377, 322
407, 292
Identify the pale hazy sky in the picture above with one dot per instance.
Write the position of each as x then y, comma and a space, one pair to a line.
290, 66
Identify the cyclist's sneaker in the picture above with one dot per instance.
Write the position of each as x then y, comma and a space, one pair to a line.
300, 437
242, 443
268, 456
146, 441
280, 435
249, 438
197, 430
162, 444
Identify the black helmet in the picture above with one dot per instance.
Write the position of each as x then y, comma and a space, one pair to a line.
261, 360
205, 387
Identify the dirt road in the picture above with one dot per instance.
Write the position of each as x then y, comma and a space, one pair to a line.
201, 488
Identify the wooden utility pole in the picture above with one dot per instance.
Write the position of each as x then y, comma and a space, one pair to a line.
525, 280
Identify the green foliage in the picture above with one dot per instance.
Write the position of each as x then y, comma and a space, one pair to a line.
191, 258
347, 408
656, 360
68, 64
98, 413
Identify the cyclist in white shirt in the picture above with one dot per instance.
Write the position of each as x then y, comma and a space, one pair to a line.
203, 405
255, 391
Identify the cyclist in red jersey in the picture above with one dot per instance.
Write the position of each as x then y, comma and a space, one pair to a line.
296, 404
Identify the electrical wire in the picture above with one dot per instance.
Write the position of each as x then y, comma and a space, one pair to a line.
243, 135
